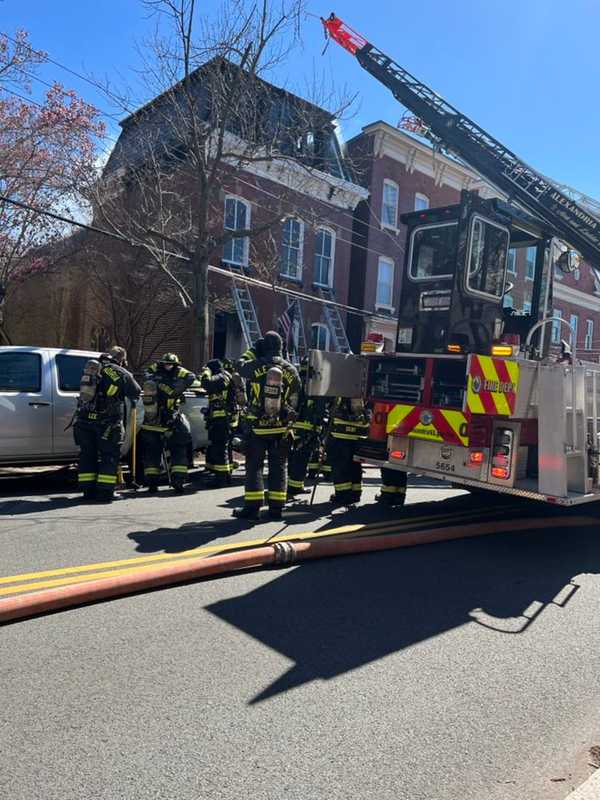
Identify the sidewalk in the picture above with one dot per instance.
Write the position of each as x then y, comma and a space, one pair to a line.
590, 790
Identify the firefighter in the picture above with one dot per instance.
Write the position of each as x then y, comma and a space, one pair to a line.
165, 425
307, 431
393, 488
252, 353
220, 416
99, 429
273, 385
349, 425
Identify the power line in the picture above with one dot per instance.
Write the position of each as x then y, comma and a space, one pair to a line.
95, 84
218, 270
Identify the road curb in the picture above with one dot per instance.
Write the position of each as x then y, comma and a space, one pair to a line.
590, 790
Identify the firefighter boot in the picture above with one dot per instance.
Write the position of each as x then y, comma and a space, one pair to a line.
247, 512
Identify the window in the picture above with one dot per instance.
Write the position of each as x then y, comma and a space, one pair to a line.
526, 308
389, 209
291, 251
421, 202
530, 263
319, 337
20, 372
433, 252
589, 334
324, 246
574, 323
486, 262
70, 369
237, 218
556, 326
385, 283
507, 301
512, 261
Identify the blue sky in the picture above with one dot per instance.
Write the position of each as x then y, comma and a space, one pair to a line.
527, 71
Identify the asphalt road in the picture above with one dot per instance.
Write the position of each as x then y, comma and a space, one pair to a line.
454, 671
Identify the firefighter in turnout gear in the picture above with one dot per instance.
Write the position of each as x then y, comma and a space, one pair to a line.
99, 429
220, 416
349, 425
165, 426
273, 385
393, 488
307, 432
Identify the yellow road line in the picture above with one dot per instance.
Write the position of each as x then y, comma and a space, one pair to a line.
386, 525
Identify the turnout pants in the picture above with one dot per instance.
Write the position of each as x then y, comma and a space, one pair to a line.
393, 487
176, 439
100, 449
275, 449
300, 456
218, 457
346, 473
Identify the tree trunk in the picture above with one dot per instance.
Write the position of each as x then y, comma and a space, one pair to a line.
201, 349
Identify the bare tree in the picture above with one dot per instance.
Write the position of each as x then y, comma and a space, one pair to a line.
214, 115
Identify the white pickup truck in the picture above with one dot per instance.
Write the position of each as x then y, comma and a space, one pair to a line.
39, 387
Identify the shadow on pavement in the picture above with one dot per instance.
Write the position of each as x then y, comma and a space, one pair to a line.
336, 615
186, 537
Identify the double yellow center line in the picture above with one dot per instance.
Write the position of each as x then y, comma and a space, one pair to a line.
65, 576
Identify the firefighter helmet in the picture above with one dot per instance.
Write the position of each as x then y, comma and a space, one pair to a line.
169, 358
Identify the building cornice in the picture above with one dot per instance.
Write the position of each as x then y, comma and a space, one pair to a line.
308, 181
420, 157
576, 297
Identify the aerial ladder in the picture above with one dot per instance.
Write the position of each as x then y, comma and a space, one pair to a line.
473, 392
481, 151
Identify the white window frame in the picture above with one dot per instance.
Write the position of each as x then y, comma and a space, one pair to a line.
298, 276
245, 239
589, 334
424, 199
389, 262
331, 232
527, 262
321, 327
514, 261
391, 226
556, 327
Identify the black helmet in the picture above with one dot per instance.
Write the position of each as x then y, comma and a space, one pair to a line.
215, 366
169, 358
273, 344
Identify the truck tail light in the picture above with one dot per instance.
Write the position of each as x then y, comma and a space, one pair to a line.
476, 457
398, 455
502, 450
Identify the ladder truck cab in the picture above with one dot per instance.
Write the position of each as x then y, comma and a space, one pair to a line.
474, 392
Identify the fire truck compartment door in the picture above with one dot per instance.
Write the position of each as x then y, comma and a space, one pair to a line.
336, 374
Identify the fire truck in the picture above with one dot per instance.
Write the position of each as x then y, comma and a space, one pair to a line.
474, 392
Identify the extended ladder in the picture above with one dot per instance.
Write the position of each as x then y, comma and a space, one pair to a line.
543, 198
246, 312
300, 343
334, 322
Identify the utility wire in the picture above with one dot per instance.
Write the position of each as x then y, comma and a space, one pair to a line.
218, 270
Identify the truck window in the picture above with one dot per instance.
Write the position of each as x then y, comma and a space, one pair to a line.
69, 370
433, 251
487, 258
20, 372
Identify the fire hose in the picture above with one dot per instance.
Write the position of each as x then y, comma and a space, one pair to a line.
282, 553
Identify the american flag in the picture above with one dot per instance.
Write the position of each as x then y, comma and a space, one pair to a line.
286, 320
